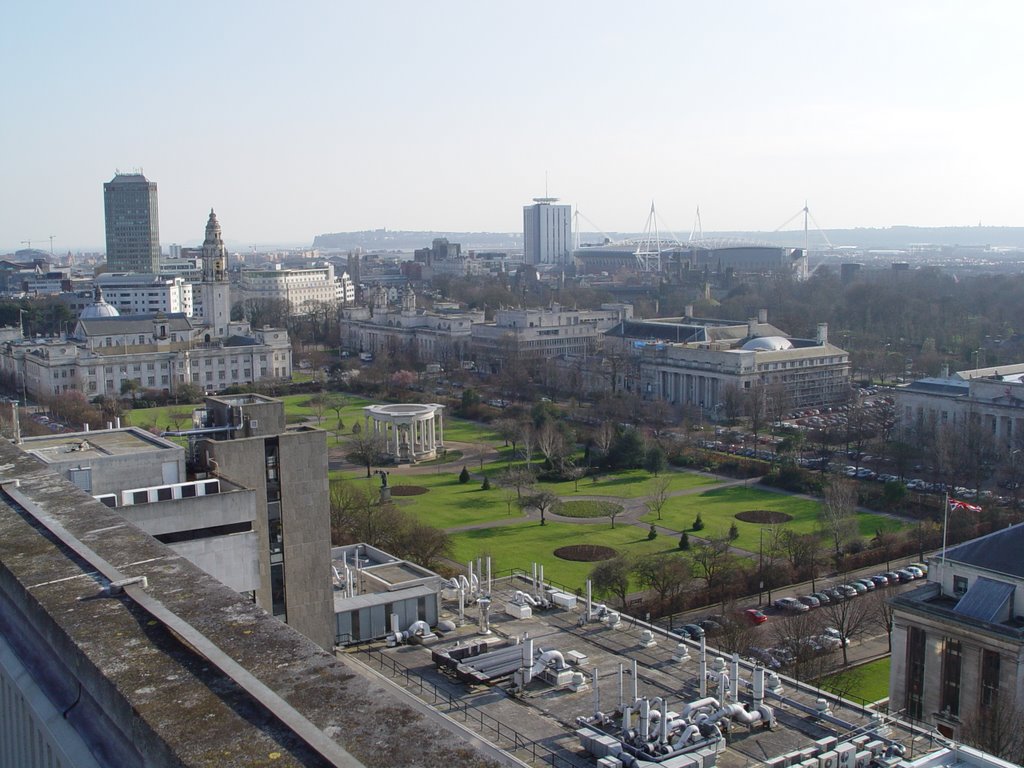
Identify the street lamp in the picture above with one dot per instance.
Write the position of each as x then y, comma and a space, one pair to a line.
760, 564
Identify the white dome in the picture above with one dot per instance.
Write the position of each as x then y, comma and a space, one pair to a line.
769, 343
100, 309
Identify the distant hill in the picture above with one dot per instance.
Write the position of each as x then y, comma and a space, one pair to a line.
885, 237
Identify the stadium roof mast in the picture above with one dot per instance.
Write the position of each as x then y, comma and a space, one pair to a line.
648, 250
804, 272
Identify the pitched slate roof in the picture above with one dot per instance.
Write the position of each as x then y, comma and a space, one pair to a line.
108, 326
999, 552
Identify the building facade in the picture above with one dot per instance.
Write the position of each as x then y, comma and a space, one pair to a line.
524, 335
138, 293
441, 335
695, 361
993, 397
250, 446
958, 641
300, 288
114, 355
132, 223
547, 232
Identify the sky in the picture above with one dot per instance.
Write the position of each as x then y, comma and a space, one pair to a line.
293, 119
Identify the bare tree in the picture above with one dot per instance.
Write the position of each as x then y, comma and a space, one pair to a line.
367, 449
543, 502
853, 618
881, 613
659, 497
668, 576
797, 635
611, 577
519, 478
551, 443
996, 729
838, 512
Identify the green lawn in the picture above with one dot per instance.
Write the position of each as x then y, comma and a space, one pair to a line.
718, 508
869, 682
447, 503
588, 508
629, 484
519, 545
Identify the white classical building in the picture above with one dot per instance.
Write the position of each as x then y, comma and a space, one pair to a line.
412, 431
993, 396
106, 354
439, 335
299, 287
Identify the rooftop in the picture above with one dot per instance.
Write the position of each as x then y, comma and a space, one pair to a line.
999, 552
92, 445
182, 670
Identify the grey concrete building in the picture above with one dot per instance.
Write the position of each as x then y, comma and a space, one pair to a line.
250, 445
132, 223
958, 641
547, 232
115, 651
208, 520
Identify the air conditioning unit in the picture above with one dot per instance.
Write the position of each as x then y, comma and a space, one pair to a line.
828, 760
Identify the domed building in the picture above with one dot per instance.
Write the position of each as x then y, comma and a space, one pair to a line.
691, 361
99, 307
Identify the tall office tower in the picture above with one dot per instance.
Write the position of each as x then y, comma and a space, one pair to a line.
547, 232
133, 226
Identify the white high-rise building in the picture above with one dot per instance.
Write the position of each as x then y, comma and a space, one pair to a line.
547, 232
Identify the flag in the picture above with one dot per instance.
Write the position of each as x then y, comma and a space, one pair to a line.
957, 505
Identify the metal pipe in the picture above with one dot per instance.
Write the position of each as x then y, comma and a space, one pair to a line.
590, 608
488, 574
702, 669
621, 701
735, 677
597, 693
636, 681
540, 594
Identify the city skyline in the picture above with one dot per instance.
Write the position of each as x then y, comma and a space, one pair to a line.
453, 117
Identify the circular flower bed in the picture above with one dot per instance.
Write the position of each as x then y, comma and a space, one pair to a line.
763, 516
408, 490
588, 508
586, 553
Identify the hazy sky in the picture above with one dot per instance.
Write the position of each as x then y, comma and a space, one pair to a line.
293, 119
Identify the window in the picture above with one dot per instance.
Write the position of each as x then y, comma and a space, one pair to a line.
952, 659
915, 672
959, 586
989, 678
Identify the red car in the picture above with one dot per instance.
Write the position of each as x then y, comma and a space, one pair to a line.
755, 616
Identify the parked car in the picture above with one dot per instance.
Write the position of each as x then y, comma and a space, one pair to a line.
823, 599
893, 577
710, 626
849, 590
923, 567
809, 600
836, 635
904, 575
693, 631
764, 656
880, 580
835, 594
790, 604
868, 584
755, 616
918, 573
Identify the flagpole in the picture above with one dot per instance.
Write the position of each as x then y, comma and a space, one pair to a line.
945, 525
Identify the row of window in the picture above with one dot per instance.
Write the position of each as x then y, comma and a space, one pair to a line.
950, 675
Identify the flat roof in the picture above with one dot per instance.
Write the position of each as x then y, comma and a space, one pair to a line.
95, 444
172, 704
